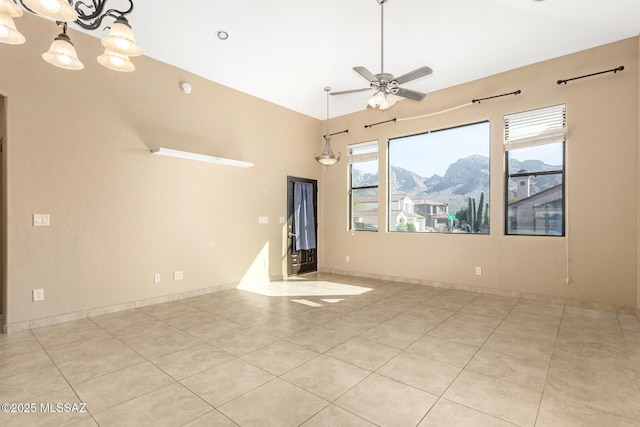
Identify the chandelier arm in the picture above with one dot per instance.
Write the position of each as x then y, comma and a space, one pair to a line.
21, 3
98, 7
96, 22
90, 16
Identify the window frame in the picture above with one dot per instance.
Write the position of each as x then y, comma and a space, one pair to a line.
555, 136
366, 157
427, 132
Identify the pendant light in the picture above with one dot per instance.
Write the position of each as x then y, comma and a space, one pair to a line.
328, 158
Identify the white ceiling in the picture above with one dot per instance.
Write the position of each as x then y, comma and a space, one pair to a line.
287, 51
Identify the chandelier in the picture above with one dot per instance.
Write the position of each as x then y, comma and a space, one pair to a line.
119, 44
328, 158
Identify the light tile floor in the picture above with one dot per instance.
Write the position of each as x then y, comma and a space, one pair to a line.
330, 351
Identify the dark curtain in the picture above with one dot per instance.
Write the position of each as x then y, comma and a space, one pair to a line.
303, 219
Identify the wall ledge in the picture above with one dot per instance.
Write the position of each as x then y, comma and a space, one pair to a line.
10, 328
545, 299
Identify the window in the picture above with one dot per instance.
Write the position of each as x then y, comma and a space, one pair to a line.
363, 186
535, 150
439, 181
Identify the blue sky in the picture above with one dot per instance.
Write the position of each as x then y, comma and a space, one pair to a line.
432, 153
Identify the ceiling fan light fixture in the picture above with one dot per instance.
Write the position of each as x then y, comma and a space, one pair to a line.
58, 10
8, 32
62, 54
382, 100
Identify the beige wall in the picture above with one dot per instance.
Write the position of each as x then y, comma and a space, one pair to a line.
79, 150
638, 277
602, 190
3, 137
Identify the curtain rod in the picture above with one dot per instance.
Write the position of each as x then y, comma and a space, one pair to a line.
380, 123
337, 133
517, 92
613, 70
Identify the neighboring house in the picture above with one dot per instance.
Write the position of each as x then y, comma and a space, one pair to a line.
537, 214
402, 213
401, 202
436, 213
365, 213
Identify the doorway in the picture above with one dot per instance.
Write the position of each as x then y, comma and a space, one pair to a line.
302, 225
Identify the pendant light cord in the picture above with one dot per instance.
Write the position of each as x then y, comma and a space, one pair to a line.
327, 89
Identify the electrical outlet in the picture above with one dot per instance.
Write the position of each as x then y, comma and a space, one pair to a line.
478, 271
347, 258
177, 275
38, 295
41, 220
156, 278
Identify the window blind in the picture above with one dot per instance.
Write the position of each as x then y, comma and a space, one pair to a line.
364, 152
535, 127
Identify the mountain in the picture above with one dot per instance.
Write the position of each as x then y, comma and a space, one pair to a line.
466, 177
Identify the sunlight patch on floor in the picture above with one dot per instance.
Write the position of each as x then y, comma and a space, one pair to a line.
307, 302
303, 289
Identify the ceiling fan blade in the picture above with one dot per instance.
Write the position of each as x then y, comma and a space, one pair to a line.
411, 94
345, 92
415, 74
368, 75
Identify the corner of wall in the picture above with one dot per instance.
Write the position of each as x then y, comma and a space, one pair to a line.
638, 250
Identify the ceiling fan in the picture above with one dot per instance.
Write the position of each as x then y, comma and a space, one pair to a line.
386, 85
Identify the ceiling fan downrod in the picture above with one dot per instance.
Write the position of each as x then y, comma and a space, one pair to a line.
382, 3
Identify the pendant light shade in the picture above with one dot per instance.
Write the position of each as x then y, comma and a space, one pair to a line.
116, 61
9, 8
8, 32
121, 39
59, 10
62, 54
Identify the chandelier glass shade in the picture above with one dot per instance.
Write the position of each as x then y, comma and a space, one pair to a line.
8, 32
116, 61
58, 10
120, 43
62, 54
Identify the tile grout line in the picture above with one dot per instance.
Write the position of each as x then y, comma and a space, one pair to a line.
546, 379
470, 359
